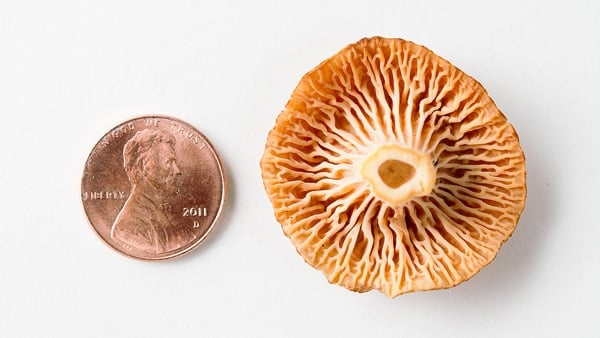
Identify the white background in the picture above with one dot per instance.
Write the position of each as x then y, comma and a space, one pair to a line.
72, 70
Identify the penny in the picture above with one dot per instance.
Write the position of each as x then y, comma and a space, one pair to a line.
153, 188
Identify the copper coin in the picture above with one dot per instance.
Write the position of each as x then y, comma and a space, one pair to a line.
153, 188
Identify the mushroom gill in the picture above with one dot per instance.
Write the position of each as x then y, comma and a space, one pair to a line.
391, 169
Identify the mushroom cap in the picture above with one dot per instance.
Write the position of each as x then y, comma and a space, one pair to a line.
370, 98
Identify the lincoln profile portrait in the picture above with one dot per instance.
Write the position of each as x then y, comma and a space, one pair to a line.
150, 161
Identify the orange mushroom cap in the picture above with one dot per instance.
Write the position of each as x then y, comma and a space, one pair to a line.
391, 169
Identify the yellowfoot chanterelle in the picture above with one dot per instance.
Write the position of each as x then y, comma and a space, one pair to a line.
391, 169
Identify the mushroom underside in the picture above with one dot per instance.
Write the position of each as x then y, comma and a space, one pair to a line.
391, 169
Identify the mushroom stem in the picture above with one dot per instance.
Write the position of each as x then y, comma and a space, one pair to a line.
398, 174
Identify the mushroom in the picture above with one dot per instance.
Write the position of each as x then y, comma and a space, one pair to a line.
391, 169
